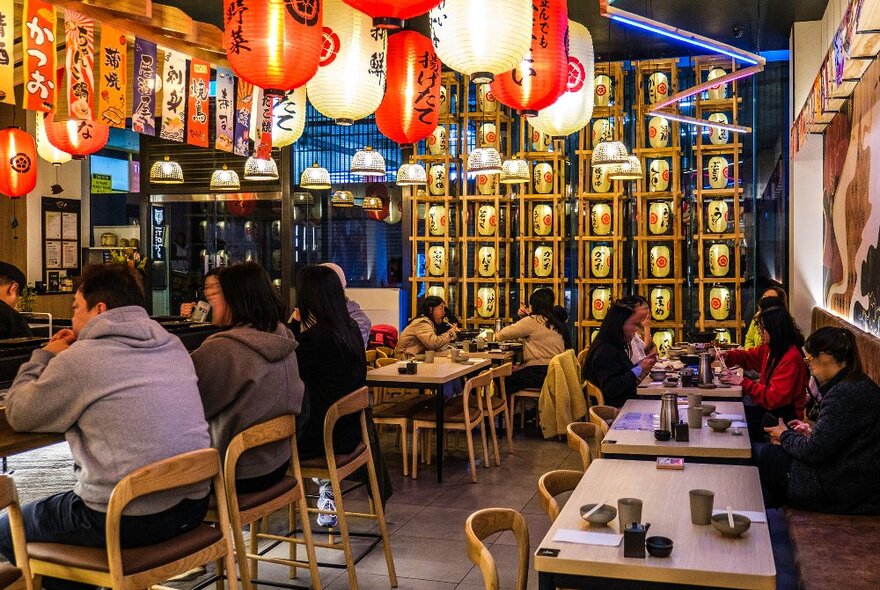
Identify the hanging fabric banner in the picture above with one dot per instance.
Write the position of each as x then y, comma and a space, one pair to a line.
143, 116
7, 42
173, 95
243, 98
80, 35
256, 102
199, 108
264, 129
224, 123
113, 62
38, 47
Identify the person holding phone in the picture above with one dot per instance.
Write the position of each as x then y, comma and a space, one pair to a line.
637, 347
430, 330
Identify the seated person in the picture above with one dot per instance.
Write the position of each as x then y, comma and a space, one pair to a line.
248, 373
354, 310
753, 336
12, 324
544, 334
124, 392
422, 332
637, 347
832, 465
607, 364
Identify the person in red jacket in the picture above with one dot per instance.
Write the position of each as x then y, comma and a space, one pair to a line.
781, 386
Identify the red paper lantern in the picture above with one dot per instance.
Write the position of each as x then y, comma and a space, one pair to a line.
18, 162
390, 14
273, 44
542, 75
410, 109
79, 138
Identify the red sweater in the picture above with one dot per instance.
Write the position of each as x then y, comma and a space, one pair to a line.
786, 386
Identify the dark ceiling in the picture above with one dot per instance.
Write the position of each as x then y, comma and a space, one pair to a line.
765, 24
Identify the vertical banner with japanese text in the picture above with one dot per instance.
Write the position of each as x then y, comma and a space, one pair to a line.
224, 110
243, 99
7, 42
38, 49
144, 108
79, 31
113, 64
199, 108
264, 127
173, 95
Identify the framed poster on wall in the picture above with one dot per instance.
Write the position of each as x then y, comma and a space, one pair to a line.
61, 243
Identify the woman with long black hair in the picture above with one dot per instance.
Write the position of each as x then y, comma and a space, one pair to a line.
430, 330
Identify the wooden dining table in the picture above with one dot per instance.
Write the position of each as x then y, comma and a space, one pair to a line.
12, 442
721, 391
431, 377
701, 556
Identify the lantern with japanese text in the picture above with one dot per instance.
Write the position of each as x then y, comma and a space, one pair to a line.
350, 83
542, 75
482, 38
573, 110
46, 150
273, 44
411, 107
289, 118
390, 14
18, 154
77, 138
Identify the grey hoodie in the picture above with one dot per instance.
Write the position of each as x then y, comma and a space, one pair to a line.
247, 377
125, 395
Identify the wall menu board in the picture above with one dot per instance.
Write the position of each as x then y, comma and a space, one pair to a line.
61, 229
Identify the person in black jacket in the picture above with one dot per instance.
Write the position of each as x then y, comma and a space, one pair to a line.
12, 281
607, 364
832, 465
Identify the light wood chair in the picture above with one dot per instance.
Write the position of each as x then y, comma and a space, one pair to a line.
496, 403
522, 395
602, 417
592, 392
582, 357
489, 521
10, 575
464, 413
142, 567
372, 355
399, 413
338, 467
381, 354
554, 483
387, 351
580, 437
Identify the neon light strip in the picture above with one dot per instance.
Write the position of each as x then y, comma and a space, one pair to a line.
731, 77
703, 122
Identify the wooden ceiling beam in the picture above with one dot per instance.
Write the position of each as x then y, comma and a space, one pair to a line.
139, 9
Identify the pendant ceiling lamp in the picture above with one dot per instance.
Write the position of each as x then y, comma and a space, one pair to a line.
542, 75
412, 174
609, 153
482, 38
166, 172
273, 44
373, 203
573, 110
515, 171
18, 152
225, 179
632, 170
260, 169
350, 83
484, 161
46, 150
367, 162
391, 14
315, 178
410, 109
289, 118
343, 199
79, 138
303, 198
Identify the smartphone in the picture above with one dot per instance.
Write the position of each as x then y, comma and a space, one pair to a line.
769, 421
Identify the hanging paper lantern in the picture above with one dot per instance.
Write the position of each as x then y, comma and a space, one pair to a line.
542, 75
77, 138
482, 38
390, 14
350, 83
46, 150
289, 118
273, 44
18, 156
572, 111
411, 107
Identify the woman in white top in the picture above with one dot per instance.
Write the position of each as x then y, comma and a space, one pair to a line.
637, 349
544, 333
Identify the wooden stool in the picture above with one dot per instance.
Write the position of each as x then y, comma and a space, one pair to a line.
554, 483
489, 521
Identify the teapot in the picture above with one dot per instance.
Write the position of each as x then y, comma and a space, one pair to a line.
634, 539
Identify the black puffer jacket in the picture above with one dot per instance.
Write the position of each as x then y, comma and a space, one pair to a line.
609, 368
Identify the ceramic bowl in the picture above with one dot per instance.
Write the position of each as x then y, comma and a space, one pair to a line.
741, 524
657, 375
662, 435
718, 424
659, 546
708, 409
670, 382
602, 516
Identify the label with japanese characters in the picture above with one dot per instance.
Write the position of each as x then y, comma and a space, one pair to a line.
79, 31
113, 61
243, 102
7, 42
264, 127
145, 65
224, 111
199, 109
173, 95
38, 46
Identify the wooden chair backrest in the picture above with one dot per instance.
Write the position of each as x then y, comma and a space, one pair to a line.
601, 415
372, 355
9, 501
489, 521
476, 385
582, 356
274, 430
592, 391
388, 352
579, 435
553, 483
385, 361
501, 373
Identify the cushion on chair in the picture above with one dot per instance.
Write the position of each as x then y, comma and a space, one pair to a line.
528, 392
341, 460
453, 411
404, 409
8, 575
249, 501
135, 560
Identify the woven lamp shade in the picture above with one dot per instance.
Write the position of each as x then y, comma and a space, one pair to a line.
289, 118
484, 161
18, 152
260, 169
390, 14
411, 174
273, 44
410, 109
632, 170
515, 172
225, 179
303, 198
166, 172
342, 199
482, 38
573, 110
367, 162
542, 75
79, 138
350, 83
46, 150
315, 178
609, 153
373, 203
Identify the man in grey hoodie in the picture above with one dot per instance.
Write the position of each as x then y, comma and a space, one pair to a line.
124, 392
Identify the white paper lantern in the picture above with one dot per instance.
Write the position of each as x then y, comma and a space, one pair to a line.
350, 82
572, 111
46, 150
289, 118
482, 38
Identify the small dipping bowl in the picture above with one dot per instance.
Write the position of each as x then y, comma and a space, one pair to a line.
657, 375
662, 435
659, 546
718, 424
741, 524
708, 409
670, 382
601, 517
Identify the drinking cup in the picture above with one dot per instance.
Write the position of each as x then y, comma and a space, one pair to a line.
629, 510
695, 416
695, 399
702, 502
429, 356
